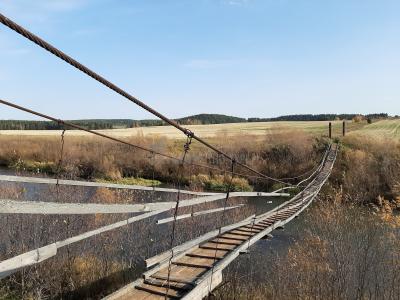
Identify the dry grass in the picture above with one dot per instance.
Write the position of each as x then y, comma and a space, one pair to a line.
367, 169
205, 131
279, 154
385, 129
340, 252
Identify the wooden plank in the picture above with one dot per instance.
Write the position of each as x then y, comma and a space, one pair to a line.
162, 291
125, 292
51, 181
182, 273
233, 237
172, 279
195, 261
225, 242
203, 289
256, 226
190, 264
215, 246
248, 230
171, 219
207, 199
39, 207
8, 206
198, 213
142, 295
164, 283
207, 253
240, 233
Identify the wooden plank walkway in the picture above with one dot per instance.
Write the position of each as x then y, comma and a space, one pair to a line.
41, 180
197, 270
9, 206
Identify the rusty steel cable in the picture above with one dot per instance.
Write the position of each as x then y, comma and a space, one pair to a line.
59, 164
66, 123
71, 125
186, 149
153, 171
228, 191
68, 59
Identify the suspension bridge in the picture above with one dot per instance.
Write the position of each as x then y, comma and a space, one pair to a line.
193, 269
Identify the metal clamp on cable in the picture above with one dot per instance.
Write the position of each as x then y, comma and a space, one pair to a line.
190, 135
60, 122
233, 161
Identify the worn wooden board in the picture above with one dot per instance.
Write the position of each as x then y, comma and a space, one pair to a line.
51, 181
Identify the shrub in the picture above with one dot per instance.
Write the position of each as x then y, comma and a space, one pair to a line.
132, 181
220, 183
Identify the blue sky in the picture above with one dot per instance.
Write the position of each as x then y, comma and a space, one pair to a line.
249, 58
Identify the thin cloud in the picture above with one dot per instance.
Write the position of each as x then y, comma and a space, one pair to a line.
86, 32
8, 48
62, 5
14, 52
39, 11
236, 2
208, 64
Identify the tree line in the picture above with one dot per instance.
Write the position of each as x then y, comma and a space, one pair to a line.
319, 117
201, 119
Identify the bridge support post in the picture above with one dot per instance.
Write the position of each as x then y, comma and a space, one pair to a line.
344, 128
330, 130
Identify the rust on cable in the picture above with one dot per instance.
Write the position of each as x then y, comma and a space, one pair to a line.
68, 59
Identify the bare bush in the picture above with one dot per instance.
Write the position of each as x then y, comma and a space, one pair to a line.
342, 252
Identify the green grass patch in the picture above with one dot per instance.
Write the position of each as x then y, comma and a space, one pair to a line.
131, 181
33, 166
383, 128
219, 183
292, 191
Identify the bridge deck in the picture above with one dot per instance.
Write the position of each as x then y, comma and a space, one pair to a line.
197, 271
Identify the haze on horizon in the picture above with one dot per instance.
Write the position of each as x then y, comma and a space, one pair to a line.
247, 58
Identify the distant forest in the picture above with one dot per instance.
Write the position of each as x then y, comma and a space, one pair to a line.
321, 117
191, 120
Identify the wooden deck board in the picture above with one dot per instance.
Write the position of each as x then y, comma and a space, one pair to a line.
164, 283
241, 233
208, 253
234, 237
141, 295
182, 273
227, 241
218, 246
198, 261
161, 291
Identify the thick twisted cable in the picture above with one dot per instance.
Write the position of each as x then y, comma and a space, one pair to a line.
71, 125
68, 59
222, 220
186, 148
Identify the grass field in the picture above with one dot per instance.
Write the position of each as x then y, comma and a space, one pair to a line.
382, 129
259, 129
